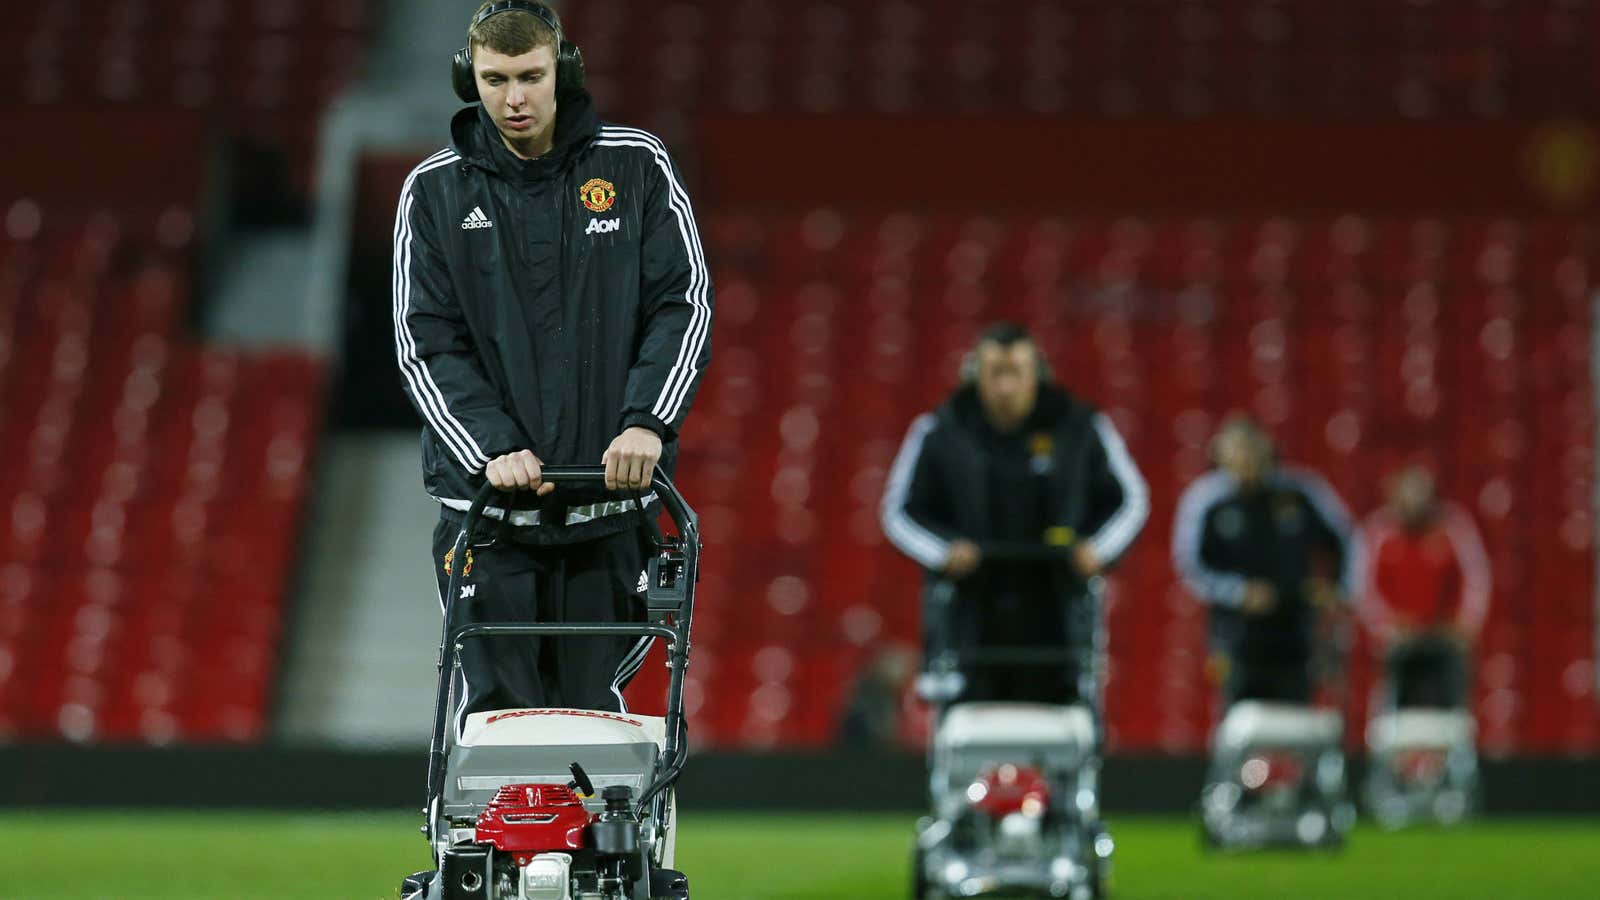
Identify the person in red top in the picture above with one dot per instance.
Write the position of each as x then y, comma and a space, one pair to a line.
1429, 590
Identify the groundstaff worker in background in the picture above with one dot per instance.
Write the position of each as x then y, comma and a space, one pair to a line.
1428, 591
1268, 548
551, 307
1012, 457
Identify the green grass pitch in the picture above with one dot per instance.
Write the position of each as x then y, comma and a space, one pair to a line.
78, 855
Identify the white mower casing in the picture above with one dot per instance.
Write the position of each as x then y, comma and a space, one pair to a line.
1450, 795
536, 746
1317, 814
1069, 853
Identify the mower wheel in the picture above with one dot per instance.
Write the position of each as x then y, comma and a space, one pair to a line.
668, 884
920, 889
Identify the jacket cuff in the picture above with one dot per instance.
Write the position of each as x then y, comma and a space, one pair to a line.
646, 420
501, 448
1232, 592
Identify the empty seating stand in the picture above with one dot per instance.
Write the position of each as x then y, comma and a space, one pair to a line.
150, 490
1306, 58
1364, 343
260, 70
151, 487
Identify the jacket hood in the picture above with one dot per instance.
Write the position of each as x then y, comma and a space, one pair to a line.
474, 136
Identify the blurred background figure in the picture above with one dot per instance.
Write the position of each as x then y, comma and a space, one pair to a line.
1271, 549
1268, 548
1014, 496
1012, 459
879, 711
1428, 593
1425, 603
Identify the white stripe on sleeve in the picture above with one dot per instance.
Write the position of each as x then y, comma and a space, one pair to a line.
1373, 608
1206, 583
1125, 525
1474, 561
915, 541
430, 400
682, 375
1333, 511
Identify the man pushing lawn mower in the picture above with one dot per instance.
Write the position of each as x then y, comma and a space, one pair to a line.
1012, 458
1014, 497
552, 306
1271, 550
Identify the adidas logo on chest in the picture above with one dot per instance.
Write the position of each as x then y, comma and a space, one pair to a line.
476, 219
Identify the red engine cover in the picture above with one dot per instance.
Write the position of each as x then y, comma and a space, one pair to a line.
525, 819
1008, 788
1421, 767
1272, 771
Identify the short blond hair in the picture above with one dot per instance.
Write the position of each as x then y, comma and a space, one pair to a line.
1243, 427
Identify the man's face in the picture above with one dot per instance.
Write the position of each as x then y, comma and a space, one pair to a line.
1008, 381
1411, 496
519, 93
1244, 456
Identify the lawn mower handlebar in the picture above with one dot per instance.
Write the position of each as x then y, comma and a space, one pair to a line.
1025, 552
592, 477
688, 542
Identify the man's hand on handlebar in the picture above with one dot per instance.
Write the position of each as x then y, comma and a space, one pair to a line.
1086, 561
1260, 598
962, 559
631, 459
518, 470
1324, 594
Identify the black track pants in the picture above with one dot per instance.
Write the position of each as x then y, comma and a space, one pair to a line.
594, 581
1428, 672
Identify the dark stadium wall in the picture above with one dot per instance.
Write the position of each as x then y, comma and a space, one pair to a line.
1081, 166
265, 777
160, 154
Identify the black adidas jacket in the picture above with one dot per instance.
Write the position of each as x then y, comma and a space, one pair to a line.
1291, 528
547, 305
1083, 477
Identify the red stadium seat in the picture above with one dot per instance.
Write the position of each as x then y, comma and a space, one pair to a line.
1325, 324
168, 486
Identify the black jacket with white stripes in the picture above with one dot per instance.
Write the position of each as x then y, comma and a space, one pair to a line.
1292, 528
547, 305
941, 485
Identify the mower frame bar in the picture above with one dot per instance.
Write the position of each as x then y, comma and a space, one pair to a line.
676, 635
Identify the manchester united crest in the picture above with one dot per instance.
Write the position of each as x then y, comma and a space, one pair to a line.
1043, 448
598, 194
449, 558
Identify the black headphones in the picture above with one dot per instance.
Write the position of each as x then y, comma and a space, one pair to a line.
569, 60
1005, 333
